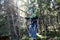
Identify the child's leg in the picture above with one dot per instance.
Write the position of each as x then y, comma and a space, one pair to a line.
34, 30
30, 30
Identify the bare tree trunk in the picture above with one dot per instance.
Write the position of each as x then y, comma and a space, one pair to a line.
40, 18
11, 18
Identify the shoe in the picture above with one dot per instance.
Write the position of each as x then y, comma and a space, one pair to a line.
34, 39
29, 34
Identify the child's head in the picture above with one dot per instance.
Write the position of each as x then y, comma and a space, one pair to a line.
30, 11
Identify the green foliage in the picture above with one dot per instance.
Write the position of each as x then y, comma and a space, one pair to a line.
58, 0
3, 25
57, 38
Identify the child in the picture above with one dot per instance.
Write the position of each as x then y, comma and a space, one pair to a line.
33, 25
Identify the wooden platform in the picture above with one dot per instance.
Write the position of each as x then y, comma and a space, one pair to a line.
4, 38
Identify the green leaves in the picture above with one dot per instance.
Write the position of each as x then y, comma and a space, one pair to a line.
58, 0
3, 24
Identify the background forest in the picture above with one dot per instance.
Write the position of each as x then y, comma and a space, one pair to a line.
14, 25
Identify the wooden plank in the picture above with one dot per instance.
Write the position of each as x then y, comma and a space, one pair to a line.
4, 38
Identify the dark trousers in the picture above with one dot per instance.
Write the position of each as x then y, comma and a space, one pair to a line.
33, 28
